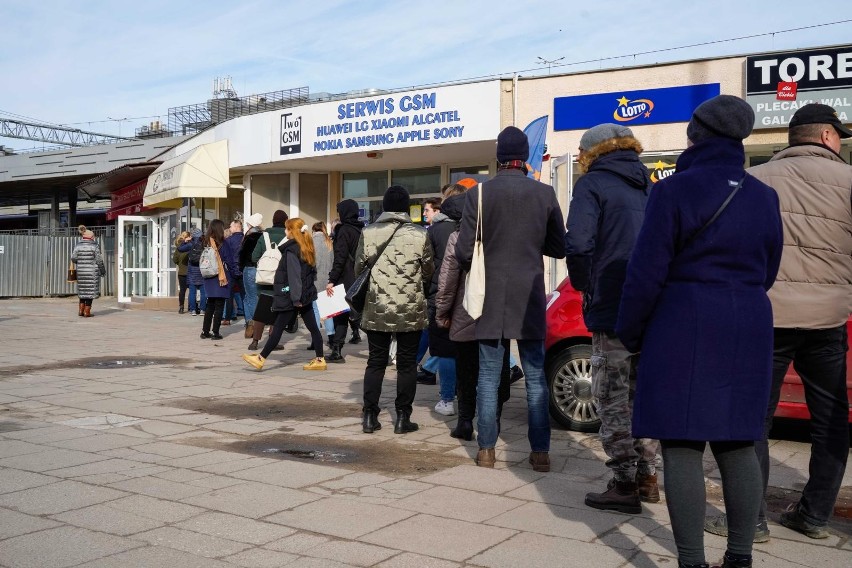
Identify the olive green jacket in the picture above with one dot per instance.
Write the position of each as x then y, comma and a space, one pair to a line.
396, 300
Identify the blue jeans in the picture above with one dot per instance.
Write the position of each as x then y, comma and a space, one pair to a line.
193, 306
329, 322
447, 377
250, 291
531, 352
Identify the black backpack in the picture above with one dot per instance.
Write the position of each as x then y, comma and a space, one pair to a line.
194, 255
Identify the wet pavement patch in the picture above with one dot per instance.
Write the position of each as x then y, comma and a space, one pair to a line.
382, 455
106, 363
276, 408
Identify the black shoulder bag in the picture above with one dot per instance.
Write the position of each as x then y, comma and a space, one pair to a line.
356, 295
715, 216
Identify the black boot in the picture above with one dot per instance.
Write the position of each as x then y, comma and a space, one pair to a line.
702, 565
621, 496
336, 355
356, 336
463, 429
728, 562
371, 421
403, 424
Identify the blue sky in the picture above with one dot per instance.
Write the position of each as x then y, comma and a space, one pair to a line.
81, 62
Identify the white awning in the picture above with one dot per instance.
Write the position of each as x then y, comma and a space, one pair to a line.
201, 172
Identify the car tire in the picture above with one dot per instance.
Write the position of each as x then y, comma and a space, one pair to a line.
569, 377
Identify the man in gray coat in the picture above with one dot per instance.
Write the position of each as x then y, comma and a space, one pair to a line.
811, 302
521, 221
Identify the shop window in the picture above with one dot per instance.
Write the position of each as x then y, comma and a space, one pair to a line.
365, 184
420, 181
270, 192
479, 173
231, 207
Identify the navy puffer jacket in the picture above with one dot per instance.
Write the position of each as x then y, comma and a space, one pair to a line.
605, 216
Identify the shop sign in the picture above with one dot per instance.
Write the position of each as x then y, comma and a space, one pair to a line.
779, 84
460, 113
660, 170
631, 108
127, 195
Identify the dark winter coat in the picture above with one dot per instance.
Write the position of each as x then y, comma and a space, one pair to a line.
443, 225
698, 310
90, 267
234, 242
294, 280
193, 272
276, 235
449, 309
247, 248
346, 237
521, 222
181, 258
211, 285
606, 213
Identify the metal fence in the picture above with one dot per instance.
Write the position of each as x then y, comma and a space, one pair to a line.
37, 264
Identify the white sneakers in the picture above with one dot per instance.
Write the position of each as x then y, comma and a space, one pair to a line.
445, 407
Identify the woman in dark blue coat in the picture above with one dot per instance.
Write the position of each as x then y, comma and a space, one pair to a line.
695, 304
218, 288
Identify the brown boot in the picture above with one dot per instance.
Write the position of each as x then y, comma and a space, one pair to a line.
621, 496
87, 311
249, 329
540, 461
649, 491
485, 457
82, 306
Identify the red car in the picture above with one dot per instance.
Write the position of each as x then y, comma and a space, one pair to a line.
568, 352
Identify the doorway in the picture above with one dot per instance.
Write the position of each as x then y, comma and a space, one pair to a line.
144, 255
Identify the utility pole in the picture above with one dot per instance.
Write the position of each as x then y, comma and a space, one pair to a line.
548, 62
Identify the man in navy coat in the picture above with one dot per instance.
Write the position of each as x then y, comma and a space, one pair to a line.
521, 221
604, 219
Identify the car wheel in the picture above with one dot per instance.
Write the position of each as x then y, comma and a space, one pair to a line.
569, 374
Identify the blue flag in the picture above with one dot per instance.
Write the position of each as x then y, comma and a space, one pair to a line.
536, 133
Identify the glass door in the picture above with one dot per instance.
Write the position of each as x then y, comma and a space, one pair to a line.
138, 240
167, 226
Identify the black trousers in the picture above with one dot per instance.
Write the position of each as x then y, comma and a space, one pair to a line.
467, 377
182, 289
286, 319
819, 357
213, 313
406, 368
341, 325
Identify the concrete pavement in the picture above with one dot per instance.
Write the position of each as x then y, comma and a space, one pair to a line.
125, 440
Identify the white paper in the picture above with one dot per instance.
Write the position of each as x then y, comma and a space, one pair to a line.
330, 306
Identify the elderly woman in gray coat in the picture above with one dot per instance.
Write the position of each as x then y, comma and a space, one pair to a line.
90, 268
396, 304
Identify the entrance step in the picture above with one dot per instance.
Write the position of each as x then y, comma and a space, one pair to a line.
165, 304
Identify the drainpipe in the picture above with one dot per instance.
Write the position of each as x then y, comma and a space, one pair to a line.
514, 99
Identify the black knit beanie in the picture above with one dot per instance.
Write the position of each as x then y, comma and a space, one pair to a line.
723, 116
512, 144
396, 199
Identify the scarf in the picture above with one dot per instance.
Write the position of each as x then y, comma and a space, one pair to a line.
223, 278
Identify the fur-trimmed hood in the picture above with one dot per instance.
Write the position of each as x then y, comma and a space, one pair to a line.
619, 156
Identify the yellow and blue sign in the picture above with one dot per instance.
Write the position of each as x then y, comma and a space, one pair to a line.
631, 108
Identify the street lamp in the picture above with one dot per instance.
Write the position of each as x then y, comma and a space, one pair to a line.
548, 62
119, 121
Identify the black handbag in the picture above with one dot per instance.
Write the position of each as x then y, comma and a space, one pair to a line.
356, 295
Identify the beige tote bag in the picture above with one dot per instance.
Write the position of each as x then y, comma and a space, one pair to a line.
474, 283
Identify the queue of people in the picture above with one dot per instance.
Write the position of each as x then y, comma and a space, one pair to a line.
721, 277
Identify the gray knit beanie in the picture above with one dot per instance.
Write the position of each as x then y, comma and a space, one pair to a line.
597, 134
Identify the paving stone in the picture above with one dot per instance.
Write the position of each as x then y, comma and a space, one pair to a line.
105, 422
169, 450
445, 538
208, 458
106, 466
234, 527
109, 520
157, 509
356, 553
60, 547
541, 551
50, 459
261, 558
253, 500
155, 557
459, 504
410, 560
472, 477
13, 523
57, 497
298, 543
335, 516
48, 434
289, 473
160, 488
192, 542
230, 466
97, 443
9, 448
15, 480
